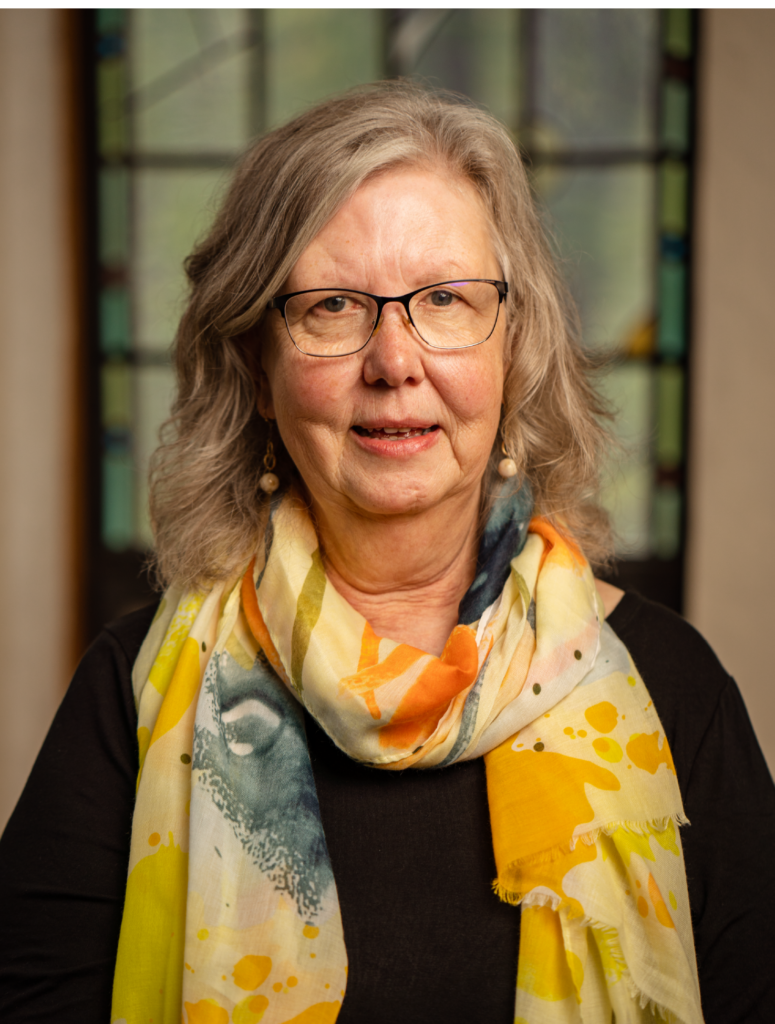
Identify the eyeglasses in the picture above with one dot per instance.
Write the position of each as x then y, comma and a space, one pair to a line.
449, 315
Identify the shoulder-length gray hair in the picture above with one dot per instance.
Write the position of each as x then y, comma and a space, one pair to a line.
206, 506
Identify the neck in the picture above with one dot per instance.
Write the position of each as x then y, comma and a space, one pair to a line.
405, 574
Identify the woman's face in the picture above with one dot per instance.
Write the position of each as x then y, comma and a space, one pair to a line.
403, 230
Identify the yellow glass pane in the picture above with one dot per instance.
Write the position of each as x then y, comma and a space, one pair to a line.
116, 396
678, 32
670, 416
674, 187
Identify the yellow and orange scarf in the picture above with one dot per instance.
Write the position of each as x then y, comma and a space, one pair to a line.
231, 911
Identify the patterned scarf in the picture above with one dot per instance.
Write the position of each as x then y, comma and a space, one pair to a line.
231, 910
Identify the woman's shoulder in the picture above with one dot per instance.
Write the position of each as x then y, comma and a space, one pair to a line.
129, 631
686, 680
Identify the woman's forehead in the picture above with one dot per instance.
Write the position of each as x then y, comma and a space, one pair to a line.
405, 222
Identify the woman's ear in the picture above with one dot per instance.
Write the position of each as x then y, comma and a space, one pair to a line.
253, 349
264, 395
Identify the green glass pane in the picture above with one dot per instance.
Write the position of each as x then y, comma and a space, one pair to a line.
115, 337
675, 115
666, 521
603, 222
111, 92
678, 33
154, 393
670, 416
674, 184
117, 500
190, 74
172, 209
313, 53
595, 78
111, 20
116, 396
114, 216
672, 309
475, 52
627, 476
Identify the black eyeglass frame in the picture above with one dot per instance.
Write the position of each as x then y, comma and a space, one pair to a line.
279, 303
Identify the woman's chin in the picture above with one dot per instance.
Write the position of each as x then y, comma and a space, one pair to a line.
392, 494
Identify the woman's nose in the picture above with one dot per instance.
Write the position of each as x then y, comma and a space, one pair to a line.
395, 352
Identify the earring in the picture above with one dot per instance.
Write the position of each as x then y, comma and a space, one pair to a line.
506, 467
269, 482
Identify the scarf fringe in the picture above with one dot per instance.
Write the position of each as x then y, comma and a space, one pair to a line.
508, 893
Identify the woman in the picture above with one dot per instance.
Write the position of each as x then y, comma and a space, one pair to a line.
371, 515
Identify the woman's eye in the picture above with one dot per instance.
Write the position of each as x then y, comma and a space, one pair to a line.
335, 304
442, 298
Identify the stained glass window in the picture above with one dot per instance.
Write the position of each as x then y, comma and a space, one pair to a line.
600, 102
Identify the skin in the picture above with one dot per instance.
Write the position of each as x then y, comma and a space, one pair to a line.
397, 520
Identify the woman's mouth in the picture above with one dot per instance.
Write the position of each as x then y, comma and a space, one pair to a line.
393, 433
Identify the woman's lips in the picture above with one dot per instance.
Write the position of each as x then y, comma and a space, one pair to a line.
395, 441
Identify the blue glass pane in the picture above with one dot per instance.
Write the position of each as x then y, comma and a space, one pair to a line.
595, 78
672, 309
117, 500
114, 320
666, 521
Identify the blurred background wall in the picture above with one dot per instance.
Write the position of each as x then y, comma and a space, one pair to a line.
647, 138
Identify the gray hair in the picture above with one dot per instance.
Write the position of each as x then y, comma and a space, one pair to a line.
206, 506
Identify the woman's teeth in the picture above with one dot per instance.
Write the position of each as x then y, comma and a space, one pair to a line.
394, 433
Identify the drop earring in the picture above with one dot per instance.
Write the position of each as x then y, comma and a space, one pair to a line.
269, 482
506, 467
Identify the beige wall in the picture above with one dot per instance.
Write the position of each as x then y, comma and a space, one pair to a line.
37, 365
731, 577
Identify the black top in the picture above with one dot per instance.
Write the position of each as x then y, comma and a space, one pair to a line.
411, 851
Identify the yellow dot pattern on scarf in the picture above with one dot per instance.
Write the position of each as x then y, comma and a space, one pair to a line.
644, 752
206, 1011
251, 971
609, 750
663, 914
602, 716
250, 1010
320, 1013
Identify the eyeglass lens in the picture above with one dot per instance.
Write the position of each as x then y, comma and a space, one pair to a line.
333, 323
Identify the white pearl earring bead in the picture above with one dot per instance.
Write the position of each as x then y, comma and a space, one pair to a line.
269, 483
507, 468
